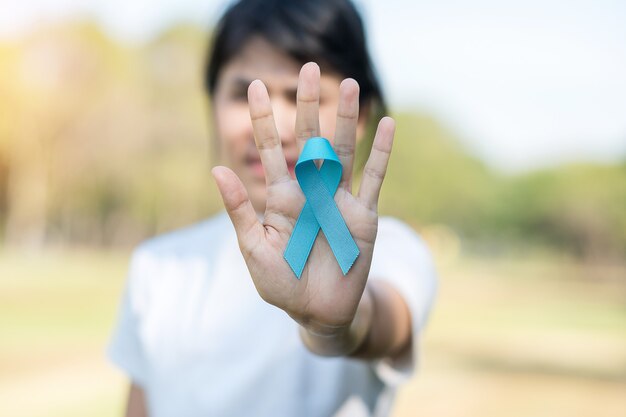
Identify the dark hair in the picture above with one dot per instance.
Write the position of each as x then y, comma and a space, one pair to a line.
329, 32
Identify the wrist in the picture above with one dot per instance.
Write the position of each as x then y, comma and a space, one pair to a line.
344, 340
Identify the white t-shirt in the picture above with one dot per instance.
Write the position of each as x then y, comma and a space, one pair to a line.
195, 334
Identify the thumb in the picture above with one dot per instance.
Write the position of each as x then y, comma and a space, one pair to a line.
237, 204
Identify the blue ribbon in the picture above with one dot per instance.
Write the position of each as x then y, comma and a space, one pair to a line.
320, 210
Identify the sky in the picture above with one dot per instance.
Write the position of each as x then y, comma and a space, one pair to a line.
522, 85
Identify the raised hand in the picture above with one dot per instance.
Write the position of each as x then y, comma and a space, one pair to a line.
323, 301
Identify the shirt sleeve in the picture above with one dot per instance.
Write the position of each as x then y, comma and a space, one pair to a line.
125, 348
403, 260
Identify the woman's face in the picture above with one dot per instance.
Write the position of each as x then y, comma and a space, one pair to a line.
233, 129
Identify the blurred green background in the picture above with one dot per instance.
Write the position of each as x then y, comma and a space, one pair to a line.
104, 144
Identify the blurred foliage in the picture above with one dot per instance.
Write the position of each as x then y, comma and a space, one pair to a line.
104, 144
579, 208
101, 143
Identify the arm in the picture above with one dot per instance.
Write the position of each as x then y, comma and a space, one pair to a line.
380, 328
136, 405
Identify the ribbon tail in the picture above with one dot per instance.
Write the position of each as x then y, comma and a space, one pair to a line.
301, 240
341, 242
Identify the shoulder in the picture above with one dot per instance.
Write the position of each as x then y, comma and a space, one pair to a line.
190, 241
400, 250
177, 257
392, 230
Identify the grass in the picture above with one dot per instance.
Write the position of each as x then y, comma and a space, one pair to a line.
56, 310
525, 337
533, 336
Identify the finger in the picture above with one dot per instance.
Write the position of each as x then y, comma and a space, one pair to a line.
238, 207
376, 166
345, 131
265, 134
308, 104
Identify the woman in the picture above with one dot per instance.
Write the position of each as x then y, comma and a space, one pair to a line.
202, 328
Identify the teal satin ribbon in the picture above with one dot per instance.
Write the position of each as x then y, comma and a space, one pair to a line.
320, 210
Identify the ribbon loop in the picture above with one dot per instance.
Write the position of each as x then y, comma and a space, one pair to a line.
320, 210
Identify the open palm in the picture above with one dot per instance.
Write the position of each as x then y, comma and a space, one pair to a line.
323, 299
